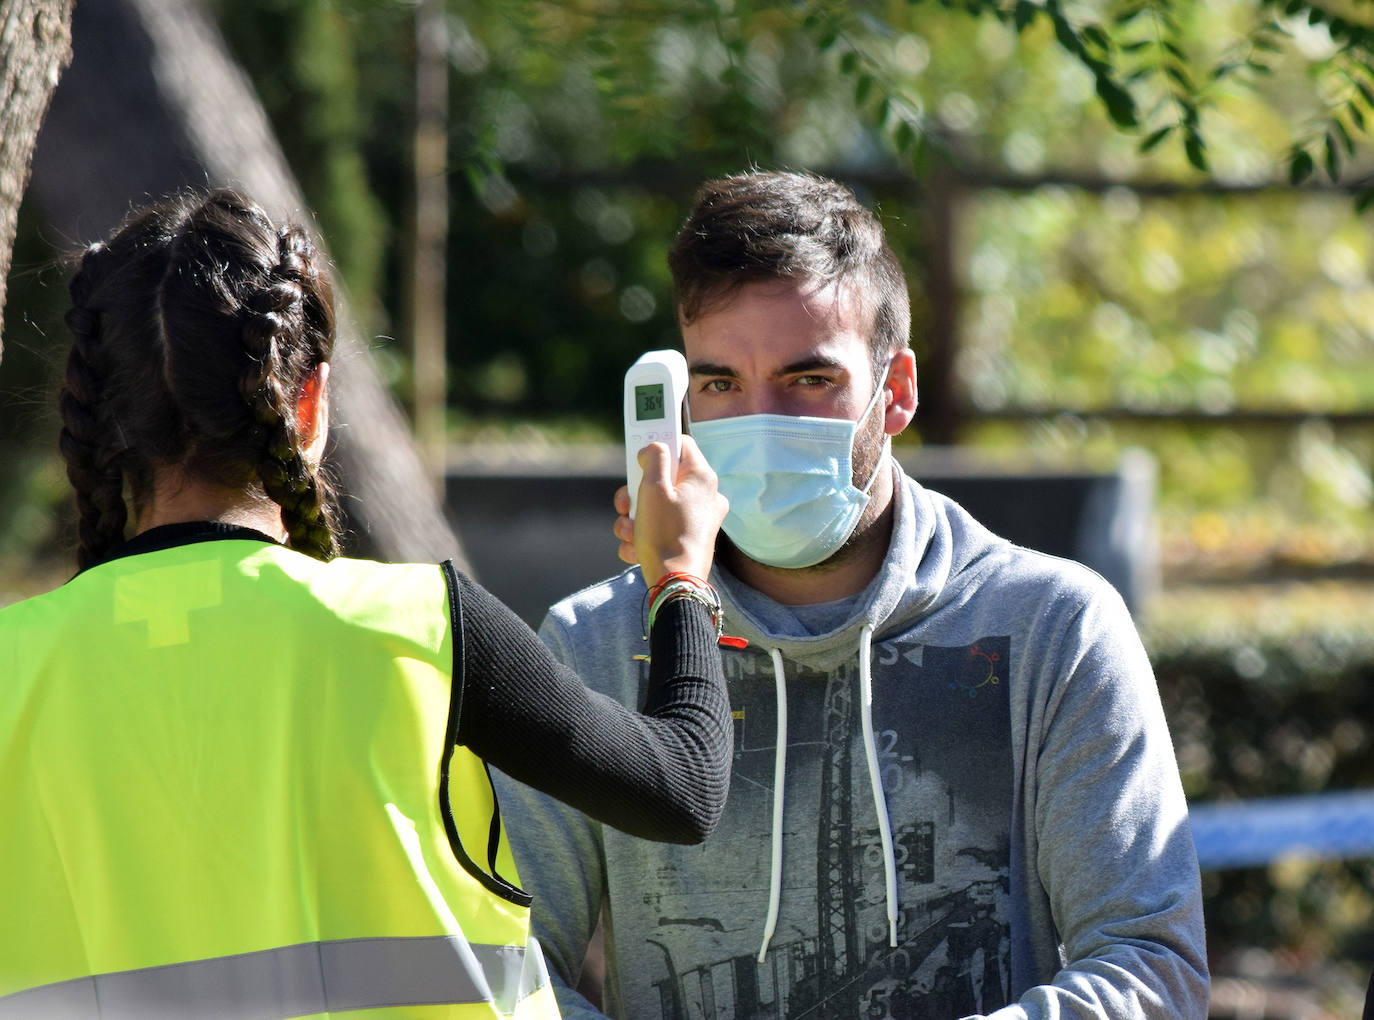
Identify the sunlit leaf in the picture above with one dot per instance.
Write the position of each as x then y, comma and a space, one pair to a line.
1346, 140
1095, 35
863, 88
1178, 74
1119, 103
1196, 150
1129, 15
904, 136
1300, 166
1332, 159
1155, 137
1067, 37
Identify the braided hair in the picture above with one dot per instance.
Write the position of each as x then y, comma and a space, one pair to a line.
194, 329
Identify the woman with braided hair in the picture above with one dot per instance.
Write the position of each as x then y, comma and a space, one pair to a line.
241, 775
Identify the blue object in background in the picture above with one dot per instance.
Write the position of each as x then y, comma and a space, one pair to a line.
1252, 833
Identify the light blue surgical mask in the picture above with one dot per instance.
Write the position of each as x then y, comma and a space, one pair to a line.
790, 482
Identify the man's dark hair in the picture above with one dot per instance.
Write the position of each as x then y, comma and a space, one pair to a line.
760, 226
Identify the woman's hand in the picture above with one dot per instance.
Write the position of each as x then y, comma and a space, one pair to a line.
678, 517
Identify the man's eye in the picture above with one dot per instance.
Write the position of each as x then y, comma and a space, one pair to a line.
812, 380
717, 386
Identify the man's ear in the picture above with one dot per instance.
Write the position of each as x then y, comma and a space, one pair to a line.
312, 413
900, 401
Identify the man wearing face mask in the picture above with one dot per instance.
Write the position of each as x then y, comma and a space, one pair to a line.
953, 792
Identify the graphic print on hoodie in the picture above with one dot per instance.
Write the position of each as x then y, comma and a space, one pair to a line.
942, 751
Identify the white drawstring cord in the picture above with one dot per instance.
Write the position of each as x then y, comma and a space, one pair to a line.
779, 776
876, 780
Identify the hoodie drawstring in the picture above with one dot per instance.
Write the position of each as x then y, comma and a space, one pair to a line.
779, 774
874, 777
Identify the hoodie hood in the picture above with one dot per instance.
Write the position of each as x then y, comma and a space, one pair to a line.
920, 573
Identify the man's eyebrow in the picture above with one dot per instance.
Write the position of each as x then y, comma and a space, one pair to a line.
810, 364
707, 368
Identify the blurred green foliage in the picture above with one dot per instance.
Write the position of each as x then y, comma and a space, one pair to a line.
1270, 691
579, 130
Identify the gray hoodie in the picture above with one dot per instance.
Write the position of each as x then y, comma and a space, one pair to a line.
952, 795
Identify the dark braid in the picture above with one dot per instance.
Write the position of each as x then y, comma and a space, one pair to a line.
91, 452
195, 329
275, 312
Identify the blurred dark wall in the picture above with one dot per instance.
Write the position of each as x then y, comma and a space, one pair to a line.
537, 529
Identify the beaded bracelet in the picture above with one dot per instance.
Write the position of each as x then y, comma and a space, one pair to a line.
685, 586
679, 585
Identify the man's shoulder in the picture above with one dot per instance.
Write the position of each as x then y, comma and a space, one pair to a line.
616, 603
1000, 565
599, 631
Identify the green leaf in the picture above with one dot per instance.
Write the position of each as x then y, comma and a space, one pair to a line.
904, 136
1099, 38
1119, 103
1364, 199
1264, 43
1355, 115
1178, 74
1173, 50
1068, 39
1346, 141
1155, 137
1366, 94
1025, 14
863, 88
1300, 166
849, 63
1226, 69
1196, 150
1333, 157
1129, 15
1316, 16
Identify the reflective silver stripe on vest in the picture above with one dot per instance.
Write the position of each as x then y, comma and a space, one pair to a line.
316, 977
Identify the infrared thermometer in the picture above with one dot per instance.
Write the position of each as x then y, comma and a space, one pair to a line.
655, 387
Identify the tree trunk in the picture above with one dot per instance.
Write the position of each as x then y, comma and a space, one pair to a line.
35, 45
426, 268
941, 413
153, 102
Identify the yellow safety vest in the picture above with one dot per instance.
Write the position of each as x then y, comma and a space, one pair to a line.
229, 787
